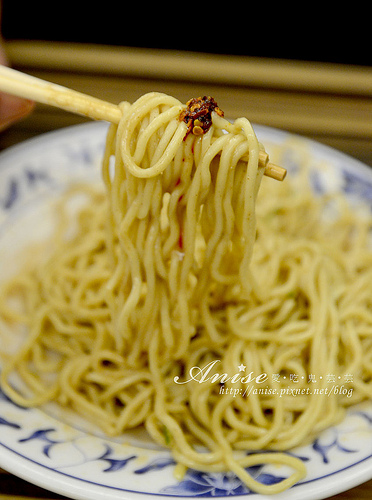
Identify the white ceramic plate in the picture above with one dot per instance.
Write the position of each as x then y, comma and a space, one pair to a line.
59, 451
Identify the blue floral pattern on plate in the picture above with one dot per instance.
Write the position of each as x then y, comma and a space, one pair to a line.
64, 455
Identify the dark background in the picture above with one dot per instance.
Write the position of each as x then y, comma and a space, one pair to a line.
303, 31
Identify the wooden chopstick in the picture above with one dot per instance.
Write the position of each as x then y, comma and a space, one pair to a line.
29, 87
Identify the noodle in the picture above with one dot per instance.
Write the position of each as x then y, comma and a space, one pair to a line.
158, 293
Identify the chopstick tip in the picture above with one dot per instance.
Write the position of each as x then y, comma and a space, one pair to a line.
275, 172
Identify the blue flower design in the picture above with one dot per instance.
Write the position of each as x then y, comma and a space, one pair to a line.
4, 397
357, 185
12, 194
13, 425
33, 176
115, 464
365, 416
215, 484
324, 449
156, 464
41, 435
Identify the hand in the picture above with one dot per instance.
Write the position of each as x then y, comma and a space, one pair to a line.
12, 108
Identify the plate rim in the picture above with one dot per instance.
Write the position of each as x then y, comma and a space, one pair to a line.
76, 485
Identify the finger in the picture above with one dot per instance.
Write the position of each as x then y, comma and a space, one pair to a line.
13, 109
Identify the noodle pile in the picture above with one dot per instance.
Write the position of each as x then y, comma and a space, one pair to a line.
160, 277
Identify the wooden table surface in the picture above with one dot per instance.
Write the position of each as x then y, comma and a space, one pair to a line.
327, 102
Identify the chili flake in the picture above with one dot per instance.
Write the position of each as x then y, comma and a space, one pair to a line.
198, 114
